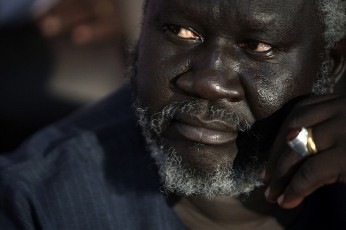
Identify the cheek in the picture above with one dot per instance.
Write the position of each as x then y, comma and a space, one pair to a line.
158, 64
270, 86
272, 95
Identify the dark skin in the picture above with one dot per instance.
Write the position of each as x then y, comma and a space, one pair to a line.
252, 57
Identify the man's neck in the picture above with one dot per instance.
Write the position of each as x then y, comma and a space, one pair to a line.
227, 213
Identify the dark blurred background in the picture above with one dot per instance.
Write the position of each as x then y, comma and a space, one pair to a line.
59, 55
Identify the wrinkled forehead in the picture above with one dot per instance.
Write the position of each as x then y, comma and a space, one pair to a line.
254, 11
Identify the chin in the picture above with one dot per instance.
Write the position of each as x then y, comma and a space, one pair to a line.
203, 158
203, 171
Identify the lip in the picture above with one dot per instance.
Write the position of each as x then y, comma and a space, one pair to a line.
212, 132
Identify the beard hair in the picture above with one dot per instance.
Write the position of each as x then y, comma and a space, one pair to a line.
183, 179
178, 177
322, 84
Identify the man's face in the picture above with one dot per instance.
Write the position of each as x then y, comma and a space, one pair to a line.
223, 65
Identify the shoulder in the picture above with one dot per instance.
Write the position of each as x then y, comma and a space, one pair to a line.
73, 142
76, 144
78, 133
37, 178
78, 139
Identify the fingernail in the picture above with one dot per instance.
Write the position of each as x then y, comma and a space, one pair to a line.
281, 199
267, 192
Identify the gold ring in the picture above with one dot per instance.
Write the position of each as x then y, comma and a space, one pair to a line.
311, 145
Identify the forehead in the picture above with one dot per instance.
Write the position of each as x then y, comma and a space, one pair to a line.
255, 13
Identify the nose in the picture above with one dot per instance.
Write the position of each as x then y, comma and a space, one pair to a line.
213, 76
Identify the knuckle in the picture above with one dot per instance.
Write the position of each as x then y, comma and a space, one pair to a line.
307, 172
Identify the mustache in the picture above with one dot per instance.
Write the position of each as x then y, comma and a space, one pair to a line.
157, 121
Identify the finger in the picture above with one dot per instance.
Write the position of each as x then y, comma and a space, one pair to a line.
328, 133
286, 166
316, 99
310, 176
313, 111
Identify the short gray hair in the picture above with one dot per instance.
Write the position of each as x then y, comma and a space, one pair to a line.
334, 17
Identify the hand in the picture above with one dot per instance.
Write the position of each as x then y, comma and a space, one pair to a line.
291, 177
82, 21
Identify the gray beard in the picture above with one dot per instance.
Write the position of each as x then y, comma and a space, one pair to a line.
322, 84
178, 177
182, 179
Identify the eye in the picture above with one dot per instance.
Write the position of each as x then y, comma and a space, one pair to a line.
182, 32
256, 46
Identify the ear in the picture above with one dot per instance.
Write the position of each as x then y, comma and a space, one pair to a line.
338, 65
